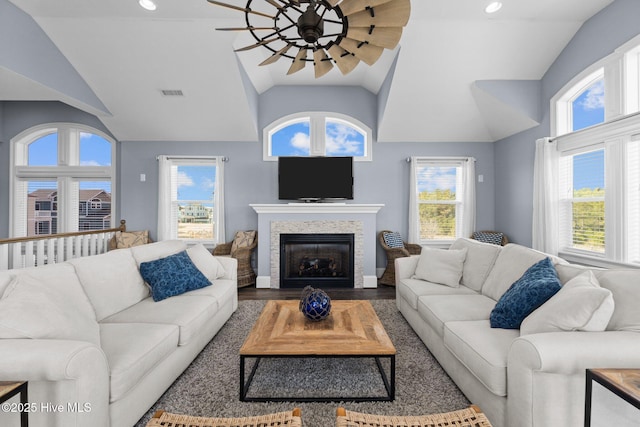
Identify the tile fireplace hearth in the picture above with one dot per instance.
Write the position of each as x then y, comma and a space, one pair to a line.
317, 218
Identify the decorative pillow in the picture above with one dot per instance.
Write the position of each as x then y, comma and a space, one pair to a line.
393, 240
129, 239
537, 284
206, 263
580, 305
172, 275
243, 239
493, 237
441, 266
32, 308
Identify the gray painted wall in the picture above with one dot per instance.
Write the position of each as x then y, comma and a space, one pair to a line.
249, 179
514, 156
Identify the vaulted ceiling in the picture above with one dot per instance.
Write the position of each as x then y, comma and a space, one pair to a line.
442, 83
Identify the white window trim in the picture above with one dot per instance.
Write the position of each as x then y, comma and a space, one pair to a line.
165, 226
465, 225
317, 123
612, 136
19, 152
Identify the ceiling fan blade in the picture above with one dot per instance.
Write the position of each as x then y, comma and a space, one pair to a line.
273, 58
246, 29
274, 4
262, 43
349, 7
299, 62
345, 61
392, 14
321, 63
387, 37
333, 2
368, 53
242, 9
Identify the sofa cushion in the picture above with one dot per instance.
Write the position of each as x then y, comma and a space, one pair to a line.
189, 313
412, 289
441, 266
111, 280
510, 265
624, 284
54, 308
206, 262
437, 310
480, 259
538, 284
483, 350
153, 251
6, 276
133, 350
172, 275
222, 290
580, 305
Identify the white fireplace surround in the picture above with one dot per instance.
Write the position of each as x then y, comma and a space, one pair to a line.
321, 218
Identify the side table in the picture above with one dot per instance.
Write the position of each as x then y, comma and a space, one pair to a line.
612, 398
8, 389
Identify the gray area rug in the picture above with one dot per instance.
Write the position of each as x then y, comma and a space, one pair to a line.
210, 386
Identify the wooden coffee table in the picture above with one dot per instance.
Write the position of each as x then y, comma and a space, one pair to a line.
353, 330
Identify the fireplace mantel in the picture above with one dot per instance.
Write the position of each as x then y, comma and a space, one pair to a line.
359, 219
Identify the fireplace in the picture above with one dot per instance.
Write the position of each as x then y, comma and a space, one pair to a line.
317, 259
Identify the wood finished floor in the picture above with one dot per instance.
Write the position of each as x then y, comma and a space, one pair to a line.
381, 292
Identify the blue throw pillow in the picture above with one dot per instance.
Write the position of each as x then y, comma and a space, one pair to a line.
172, 275
393, 240
537, 284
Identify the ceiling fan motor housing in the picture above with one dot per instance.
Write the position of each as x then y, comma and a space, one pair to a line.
310, 25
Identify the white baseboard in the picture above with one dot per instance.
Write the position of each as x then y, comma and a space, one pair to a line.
263, 282
370, 282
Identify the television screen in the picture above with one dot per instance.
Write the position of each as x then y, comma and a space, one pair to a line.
315, 178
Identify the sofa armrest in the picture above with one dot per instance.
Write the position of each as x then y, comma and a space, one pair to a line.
406, 267
571, 352
550, 367
80, 363
230, 267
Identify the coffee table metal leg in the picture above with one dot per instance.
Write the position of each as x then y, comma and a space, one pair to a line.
244, 388
24, 415
389, 382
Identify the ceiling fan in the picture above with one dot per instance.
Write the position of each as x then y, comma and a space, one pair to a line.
343, 32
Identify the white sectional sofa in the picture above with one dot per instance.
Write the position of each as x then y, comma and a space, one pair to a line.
93, 343
520, 379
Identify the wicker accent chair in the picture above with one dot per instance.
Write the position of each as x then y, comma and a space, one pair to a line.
129, 239
397, 249
470, 417
241, 248
493, 237
278, 419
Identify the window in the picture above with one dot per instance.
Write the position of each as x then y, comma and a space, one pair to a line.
63, 176
594, 216
191, 202
317, 134
442, 199
582, 209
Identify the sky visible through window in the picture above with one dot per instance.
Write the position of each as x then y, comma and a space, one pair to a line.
341, 139
196, 182
588, 108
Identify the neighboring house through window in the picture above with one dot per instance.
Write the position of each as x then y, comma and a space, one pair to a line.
317, 134
190, 201
63, 176
442, 199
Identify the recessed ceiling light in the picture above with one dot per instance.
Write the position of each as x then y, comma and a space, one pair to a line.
147, 4
493, 7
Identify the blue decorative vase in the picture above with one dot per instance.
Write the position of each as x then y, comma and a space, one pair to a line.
315, 304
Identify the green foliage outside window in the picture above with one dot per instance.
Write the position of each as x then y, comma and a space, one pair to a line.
588, 220
437, 220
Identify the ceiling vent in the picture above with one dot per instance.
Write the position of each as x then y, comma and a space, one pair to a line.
172, 92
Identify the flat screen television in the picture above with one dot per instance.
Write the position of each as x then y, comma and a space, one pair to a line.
315, 178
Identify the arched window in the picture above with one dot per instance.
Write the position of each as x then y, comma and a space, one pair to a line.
317, 134
63, 179
582, 105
